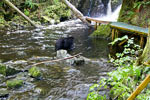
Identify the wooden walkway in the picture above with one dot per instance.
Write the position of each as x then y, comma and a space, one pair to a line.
118, 26
128, 27
121, 26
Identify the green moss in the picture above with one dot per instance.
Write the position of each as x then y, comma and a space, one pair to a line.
14, 83
34, 72
102, 31
7, 71
3, 69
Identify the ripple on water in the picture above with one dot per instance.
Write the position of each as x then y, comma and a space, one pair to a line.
22, 48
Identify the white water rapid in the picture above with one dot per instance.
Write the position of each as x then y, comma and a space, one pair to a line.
111, 16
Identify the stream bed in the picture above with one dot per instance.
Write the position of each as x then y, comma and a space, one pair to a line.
60, 81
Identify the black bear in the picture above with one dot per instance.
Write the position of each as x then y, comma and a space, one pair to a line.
66, 43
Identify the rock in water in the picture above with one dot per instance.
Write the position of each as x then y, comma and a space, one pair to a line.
61, 54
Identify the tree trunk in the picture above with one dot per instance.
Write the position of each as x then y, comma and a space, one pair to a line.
22, 14
76, 12
145, 57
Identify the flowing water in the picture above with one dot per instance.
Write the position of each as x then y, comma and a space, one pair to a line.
111, 16
60, 81
20, 49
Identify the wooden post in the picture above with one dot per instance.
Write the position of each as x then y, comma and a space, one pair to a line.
141, 41
116, 33
113, 34
96, 26
140, 88
22, 14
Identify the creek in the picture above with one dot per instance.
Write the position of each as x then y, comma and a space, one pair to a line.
19, 49
60, 81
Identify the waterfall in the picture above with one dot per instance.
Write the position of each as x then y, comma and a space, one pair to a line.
109, 8
111, 16
89, 8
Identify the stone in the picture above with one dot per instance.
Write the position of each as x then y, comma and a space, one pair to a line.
61, 54
7, 71
3, 93
14, 83
35, 72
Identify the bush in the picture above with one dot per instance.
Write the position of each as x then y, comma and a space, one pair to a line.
123, 81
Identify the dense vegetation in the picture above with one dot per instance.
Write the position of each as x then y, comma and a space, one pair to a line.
124, 80
120, 82
136, 13
40, 11
128, 74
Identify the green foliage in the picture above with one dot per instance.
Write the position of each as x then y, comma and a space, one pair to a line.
126, 78
34, 72
93, 95
1, 3
138, 4
30, 4
119, 39
129, 54
55, 1
14, 83
26, 12
57, 11
102, 31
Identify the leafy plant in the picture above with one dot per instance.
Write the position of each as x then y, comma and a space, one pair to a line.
123, 81
129, 54
138, 4
30, 4
26, 12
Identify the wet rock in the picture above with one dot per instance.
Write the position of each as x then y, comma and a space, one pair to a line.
35, 72
7, 71
80, 92
19, 62
3, 93
14, 83
115, 4
79, 60
62, 54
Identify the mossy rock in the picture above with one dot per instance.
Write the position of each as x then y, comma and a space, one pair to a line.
14, 83
3, 69
35, 72
7, 71
102, 31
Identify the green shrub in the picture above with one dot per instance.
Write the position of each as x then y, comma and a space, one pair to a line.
123, 81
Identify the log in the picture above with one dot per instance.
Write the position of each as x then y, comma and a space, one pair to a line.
76, 12
22, 14
56, 60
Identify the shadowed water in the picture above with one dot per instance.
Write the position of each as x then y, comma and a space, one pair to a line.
59, 81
